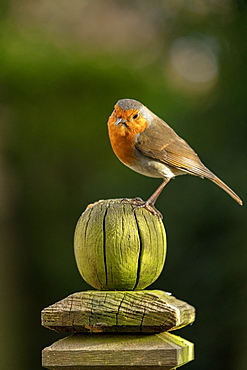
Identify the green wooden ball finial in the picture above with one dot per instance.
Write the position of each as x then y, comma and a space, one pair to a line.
118, 247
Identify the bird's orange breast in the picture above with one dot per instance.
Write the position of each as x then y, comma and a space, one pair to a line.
123, 137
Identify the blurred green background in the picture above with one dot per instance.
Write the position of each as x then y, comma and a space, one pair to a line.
64, 64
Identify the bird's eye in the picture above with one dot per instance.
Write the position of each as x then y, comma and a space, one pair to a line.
135, 116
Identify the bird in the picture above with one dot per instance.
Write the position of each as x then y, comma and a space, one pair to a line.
148, 145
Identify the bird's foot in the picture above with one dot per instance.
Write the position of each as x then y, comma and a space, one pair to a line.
139, 203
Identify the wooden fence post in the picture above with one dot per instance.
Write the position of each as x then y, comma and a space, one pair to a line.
119, 251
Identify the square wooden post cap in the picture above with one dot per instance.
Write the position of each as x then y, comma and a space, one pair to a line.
118, 351
144, 311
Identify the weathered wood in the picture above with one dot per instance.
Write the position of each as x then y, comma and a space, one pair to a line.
118, 247
148, 311
115, 351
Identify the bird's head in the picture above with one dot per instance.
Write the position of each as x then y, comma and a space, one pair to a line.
129, 116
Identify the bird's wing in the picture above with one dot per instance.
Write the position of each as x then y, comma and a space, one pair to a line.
159, 141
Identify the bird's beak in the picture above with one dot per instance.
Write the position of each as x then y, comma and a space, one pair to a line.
120, 120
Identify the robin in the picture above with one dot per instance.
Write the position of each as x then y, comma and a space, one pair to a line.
148, 145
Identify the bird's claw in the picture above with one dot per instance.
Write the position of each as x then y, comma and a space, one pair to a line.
139, 203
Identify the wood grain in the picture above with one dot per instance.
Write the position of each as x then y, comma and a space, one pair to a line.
148, 311
115, 351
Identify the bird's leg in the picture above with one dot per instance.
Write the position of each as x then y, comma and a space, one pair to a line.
151, 200
149, 204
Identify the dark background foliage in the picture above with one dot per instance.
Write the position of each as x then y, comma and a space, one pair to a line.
63, 66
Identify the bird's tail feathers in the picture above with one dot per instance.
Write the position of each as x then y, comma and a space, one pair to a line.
228, 190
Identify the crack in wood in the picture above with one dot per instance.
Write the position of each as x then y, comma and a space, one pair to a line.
140, 253
142, 319
104, 246
119, 307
